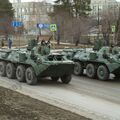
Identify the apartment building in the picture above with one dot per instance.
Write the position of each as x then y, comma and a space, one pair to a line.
102, 5
31, 13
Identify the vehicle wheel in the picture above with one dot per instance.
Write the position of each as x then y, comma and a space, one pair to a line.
66, 79
78, 69
30, 76
102, 72
55, 78
3, 68
10, 70
91, 71
20, 73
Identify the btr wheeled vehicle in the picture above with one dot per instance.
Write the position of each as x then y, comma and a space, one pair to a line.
98, 64
34, 62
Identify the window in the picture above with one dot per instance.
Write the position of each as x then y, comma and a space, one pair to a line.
31, 9
23, 10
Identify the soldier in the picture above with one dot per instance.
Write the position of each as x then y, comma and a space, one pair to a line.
37, 38
9, 43
2, 42
111, 48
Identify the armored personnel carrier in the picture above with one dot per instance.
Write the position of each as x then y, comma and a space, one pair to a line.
98, 63
34, 62
69, 53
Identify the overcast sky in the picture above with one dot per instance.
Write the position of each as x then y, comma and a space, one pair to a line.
51, 1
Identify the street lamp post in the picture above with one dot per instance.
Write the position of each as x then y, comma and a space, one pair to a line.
98, 21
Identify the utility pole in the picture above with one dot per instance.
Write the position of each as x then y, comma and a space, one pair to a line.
98, 21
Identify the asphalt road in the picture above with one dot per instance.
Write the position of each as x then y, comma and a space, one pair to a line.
92, 98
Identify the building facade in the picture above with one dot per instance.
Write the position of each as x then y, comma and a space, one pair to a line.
102, 5
32, 13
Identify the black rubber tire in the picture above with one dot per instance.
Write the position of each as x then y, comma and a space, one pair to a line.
78, 69
103, 73
91, 71
30, 76
10, 71
20, 73
66, 79
3, 69
55, 78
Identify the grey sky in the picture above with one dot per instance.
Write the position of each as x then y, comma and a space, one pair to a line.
51, 1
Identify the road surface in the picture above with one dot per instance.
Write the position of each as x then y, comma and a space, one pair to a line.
91, 98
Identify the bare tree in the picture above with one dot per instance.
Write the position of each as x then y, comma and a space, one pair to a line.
71, 18
70, 27
110, 17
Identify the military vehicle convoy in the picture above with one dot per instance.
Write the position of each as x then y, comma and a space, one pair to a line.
34, 62
98, 63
